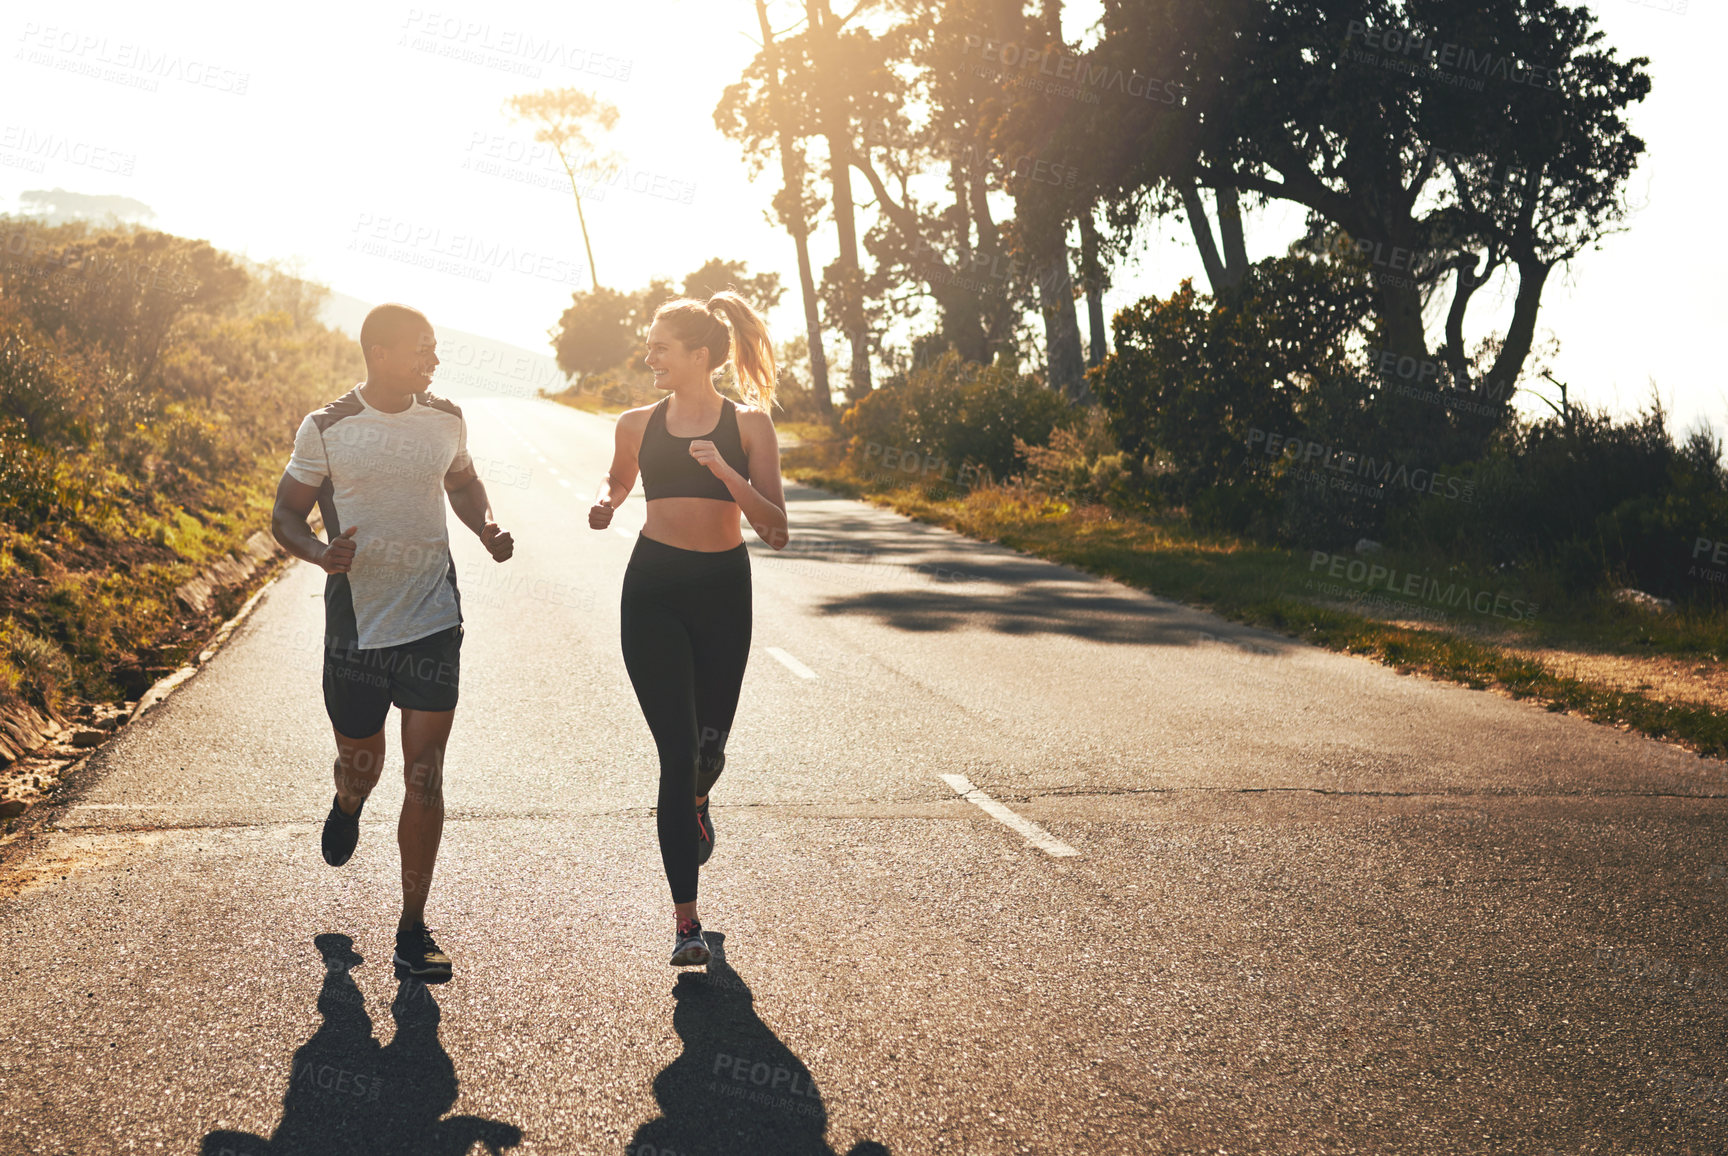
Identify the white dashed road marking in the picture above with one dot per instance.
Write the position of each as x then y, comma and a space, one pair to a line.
1035, 835
791, 664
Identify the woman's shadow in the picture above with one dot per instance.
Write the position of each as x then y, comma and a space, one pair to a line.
736, 1087
349, 1094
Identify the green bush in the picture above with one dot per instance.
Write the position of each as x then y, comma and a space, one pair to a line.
954, 417
1083, 465
1598, 502
1585, 500
1191, 378
35, 668
39, 486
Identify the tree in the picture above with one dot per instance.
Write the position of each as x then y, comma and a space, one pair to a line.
1047, 146
792, 205
598, 332
565, 118
1041, 209
844, 279
762, 290
955, 254
1426, 138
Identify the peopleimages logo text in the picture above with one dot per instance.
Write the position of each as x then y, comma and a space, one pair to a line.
1374, 576
1351, 464
48, 146
1445, 56
142, 60
473, 256
1044, 65
436, 30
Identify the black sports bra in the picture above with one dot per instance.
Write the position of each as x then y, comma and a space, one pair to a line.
668, 470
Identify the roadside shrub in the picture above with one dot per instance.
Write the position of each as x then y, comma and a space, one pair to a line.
37, 670
1083, 465
48, 393
1597, 501
955, 415
39, 486
1191, 378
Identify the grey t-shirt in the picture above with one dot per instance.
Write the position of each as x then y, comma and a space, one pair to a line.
383, 473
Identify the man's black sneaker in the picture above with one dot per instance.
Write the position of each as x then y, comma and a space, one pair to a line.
418, 956
704, 834
691, 950
341, 833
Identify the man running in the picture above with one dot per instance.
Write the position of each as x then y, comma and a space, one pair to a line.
378, 462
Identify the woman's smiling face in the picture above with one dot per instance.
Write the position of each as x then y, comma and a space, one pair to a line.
671, 361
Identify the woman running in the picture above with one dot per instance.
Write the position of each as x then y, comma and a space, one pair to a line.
686, 605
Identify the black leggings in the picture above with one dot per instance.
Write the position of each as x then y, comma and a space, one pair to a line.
685, 619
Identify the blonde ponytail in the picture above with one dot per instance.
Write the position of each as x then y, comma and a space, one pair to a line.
754, 355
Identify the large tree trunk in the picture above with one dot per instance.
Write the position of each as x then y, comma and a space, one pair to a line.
1092, 276
1397, 299
1066, 364
1474, 428
998, 318
1452, 352
1515, 347
1223, 271
1230, 233
962, 314
1418, 429
836, 129
1398, 307
1195, 210
792, 213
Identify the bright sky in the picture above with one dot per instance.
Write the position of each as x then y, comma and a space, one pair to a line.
368, 142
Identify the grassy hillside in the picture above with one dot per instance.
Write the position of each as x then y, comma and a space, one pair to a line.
150, 386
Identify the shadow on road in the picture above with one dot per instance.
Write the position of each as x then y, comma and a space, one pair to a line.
904, 578
349, 1094
736, 1088
1030, 609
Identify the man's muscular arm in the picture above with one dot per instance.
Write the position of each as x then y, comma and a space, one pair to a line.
294, 502
468, 498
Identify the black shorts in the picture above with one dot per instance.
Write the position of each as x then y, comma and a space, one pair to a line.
361, 685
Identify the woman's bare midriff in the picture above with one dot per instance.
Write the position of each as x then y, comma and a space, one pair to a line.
694, 523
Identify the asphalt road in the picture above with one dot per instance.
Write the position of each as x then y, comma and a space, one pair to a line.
1314, 905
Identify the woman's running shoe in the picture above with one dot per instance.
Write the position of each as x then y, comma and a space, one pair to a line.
691, 950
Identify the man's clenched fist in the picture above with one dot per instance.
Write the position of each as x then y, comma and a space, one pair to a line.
338, 556
497, 541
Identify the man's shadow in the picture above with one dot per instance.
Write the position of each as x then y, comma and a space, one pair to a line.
736, 1088
349, 1094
